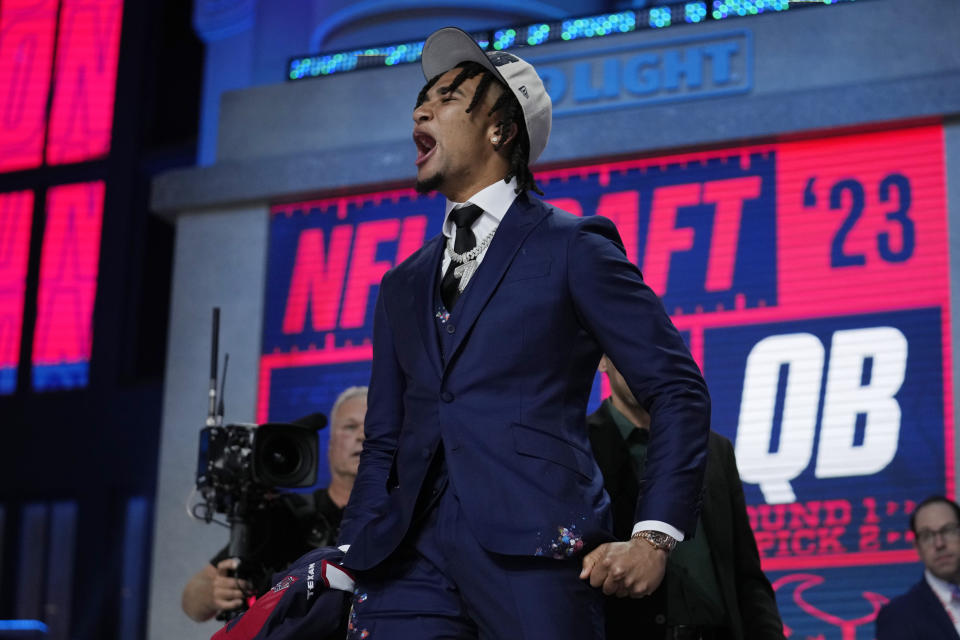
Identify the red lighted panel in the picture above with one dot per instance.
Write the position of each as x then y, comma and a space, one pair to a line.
68, 274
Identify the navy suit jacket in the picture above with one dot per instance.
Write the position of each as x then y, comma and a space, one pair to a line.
918, 614
508, 401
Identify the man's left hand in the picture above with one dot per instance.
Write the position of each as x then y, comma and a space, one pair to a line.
634, 568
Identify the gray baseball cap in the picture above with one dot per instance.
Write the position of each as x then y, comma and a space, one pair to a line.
448, 47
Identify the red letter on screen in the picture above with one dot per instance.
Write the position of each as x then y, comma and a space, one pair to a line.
365, 270
68, 274
728, 196
16, 214
317, 279
412, 235
86, 79
664, 238
26, 59
623, 208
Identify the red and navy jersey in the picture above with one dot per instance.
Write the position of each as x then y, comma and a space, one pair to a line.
310, 600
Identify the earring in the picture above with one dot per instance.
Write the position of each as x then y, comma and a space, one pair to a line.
495, 139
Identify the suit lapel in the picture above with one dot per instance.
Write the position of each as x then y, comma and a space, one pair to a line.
419, 306
935, 612
717, 519
519, 220
714, 489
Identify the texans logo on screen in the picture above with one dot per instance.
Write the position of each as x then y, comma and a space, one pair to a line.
801, 583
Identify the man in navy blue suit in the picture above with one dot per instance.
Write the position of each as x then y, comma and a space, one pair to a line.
931, 608
478, 511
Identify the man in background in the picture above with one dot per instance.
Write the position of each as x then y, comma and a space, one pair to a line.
714, 586
293, 525
931, 608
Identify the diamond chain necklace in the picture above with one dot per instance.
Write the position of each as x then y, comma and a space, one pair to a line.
467, 260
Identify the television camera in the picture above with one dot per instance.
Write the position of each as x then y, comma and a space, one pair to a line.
241, 467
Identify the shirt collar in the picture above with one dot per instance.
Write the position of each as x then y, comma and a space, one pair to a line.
495, 200
624, 426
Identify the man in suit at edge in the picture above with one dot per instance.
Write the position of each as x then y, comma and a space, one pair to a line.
714, 586
477, 495
931, 608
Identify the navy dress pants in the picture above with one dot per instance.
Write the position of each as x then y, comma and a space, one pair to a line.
441, 584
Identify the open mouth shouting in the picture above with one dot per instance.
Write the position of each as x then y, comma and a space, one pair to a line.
426, 145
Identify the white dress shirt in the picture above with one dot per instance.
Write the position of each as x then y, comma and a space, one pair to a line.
494, 200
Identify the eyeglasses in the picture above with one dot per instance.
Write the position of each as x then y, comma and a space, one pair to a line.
949, 533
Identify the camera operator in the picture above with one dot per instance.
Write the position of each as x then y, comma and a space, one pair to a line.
292, 525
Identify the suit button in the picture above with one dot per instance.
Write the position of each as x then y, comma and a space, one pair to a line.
451, 328
426, 453
446, 396
660, 618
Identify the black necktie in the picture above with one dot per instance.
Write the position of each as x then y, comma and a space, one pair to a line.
464, 241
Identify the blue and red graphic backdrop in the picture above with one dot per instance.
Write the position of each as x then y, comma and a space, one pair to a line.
811, 280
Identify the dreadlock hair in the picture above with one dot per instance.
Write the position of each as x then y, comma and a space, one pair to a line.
510, 112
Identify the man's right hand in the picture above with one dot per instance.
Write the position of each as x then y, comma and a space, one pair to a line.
625, 569
228, 590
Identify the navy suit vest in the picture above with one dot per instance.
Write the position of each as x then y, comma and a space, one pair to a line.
445, 324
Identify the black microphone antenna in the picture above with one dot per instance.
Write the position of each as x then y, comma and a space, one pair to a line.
212, 392
223, 385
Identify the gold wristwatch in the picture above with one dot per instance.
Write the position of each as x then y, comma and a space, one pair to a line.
658, 539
